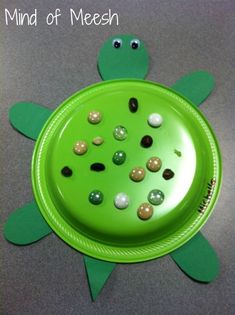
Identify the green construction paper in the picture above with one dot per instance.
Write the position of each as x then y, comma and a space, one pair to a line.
196, 86
123, 62
98, 272
26, 225
28, 118
197, 259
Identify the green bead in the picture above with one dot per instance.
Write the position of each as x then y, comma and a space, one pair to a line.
120, 133
156, 197
96, 197
119, 157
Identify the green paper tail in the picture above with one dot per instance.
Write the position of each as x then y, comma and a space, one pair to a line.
195, 86
197, 259
98, 272
28, 118
26, 225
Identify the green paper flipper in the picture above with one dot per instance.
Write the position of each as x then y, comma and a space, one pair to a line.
195, 86
98, 272
26, 225
28, 118
197, 259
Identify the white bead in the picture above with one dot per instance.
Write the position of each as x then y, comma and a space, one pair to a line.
155, 120
121, 201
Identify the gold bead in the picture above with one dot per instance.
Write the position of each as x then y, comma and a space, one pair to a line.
154, 164
94, 117
80, 147
145, 211
98, 140
137, 174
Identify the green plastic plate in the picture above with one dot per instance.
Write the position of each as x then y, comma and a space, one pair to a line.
184, 142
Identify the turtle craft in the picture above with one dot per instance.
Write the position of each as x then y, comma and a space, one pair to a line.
125, 170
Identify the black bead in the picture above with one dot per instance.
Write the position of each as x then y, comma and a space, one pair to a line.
97, 167
168, 174
133, 104
66, 171
146, 141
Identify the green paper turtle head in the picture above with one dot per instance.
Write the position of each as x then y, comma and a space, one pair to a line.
123, 56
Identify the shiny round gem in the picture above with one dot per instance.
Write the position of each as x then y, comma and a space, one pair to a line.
119, 157
155, 120
121, 201
94, 117
80, 147
137, 174
156, 197
96, 197
98, 140
120, 133
145, 211
154, 164
146, 141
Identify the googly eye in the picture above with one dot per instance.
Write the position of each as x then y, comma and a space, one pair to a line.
135, 43
117, 43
